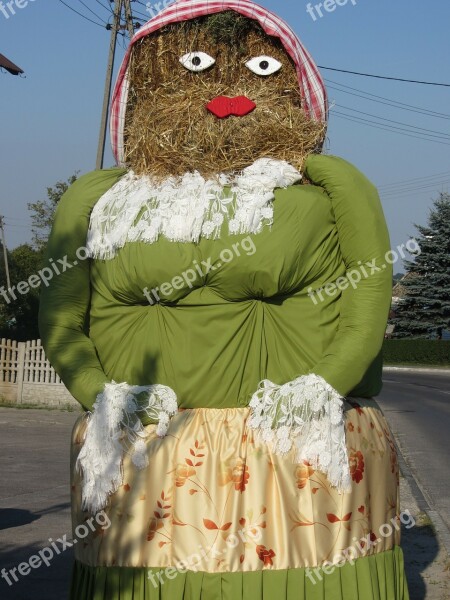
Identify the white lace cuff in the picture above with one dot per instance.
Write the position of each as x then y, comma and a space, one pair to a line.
114, 428
306, 413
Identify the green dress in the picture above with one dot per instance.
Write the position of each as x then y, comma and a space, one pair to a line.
269, 311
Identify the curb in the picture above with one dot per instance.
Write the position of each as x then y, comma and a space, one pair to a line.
417, 370
423, 500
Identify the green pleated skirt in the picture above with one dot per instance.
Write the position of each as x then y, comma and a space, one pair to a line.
377, 577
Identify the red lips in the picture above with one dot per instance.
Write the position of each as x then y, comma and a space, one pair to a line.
222, 106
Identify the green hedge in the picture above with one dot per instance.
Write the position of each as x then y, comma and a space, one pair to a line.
418, 351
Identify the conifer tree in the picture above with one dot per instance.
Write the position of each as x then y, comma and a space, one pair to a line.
424, 311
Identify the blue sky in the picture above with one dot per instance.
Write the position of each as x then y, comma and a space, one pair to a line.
50, 119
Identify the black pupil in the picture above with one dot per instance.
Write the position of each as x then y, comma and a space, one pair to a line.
264, 64
196, 61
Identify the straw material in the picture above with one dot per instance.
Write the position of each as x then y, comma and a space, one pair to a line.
168, 130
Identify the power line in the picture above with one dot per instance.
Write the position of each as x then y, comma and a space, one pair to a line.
391, 129
384, 77
139, 14
429, 132
415, 185
107, 8
412, 185
401, 191
415, 190
141, 3
27, 227
90, 9
16, 218
149, 14
81, 15
376, 125
387, 101
416, 180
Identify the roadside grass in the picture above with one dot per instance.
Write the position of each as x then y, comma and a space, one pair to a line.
39, 406
424, 522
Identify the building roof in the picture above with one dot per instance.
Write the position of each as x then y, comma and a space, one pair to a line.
9, 66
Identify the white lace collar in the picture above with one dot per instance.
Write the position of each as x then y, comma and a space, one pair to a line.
183, 209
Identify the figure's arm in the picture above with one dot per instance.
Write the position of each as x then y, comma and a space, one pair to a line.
64, 303
119, 410
364, 242
308, 412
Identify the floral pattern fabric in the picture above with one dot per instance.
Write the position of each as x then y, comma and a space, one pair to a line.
215, 499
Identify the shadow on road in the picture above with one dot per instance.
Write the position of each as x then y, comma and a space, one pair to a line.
42, 583
420, 548
16, 517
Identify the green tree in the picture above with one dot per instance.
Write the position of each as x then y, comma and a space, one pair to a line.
18, 316
43, 211
425, 307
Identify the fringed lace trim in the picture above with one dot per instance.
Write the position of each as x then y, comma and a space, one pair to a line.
114, 428
306, 413
183, 209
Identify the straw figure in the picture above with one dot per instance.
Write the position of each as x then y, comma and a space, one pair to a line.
221, 324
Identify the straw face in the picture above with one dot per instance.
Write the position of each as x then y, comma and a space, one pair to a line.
168, 129
309, 81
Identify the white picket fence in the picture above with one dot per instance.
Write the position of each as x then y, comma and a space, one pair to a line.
26, 376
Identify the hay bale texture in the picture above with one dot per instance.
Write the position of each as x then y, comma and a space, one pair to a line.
168, 130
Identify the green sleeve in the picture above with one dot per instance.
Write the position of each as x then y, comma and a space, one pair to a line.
364, 242
65, 299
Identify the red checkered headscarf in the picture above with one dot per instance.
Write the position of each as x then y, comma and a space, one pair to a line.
311, 84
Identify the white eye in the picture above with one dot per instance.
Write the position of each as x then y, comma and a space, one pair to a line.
197, 61
264, 65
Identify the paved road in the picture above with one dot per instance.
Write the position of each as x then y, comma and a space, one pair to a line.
417, 406
34, 499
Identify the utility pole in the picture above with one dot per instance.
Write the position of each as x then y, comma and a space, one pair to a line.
115, 28
129, 18
5, 254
